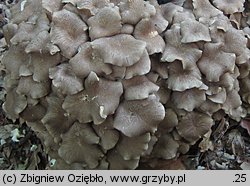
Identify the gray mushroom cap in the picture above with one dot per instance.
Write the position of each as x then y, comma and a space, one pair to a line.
188, 54
194, 31
107, 22
166, 147
27, 86
133, 147
189, 99
14, 104
13, 63
108, 84
64, 22
180, 79
107, 133
214, 66
229, 7
64, 79
138, 87
56, 120
146, 31
93, 105
139, 116
193, 125
142, 67
120, 50
205, 9
23, 10
133, 11
85, 150
88, 59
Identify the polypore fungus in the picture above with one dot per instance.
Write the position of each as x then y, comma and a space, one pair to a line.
85, 140
68, 32
108, 84
136, 117
193, 125
194, 31
132, 11
99, 99
188, 54
106, 22
214, 63
91, 7
86, 60
146, 31
120, 50
228, 6
138, 87
64, 79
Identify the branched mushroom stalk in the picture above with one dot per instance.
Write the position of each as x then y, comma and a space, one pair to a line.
107, 84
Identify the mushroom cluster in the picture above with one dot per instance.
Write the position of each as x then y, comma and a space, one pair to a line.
108, 84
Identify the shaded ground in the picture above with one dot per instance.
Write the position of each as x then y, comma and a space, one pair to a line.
227, 147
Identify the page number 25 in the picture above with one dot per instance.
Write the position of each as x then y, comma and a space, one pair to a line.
240, 178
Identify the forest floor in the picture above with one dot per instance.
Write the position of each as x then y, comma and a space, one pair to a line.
228, 146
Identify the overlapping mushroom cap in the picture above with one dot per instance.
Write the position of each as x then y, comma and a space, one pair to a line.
229, 7
110, 84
